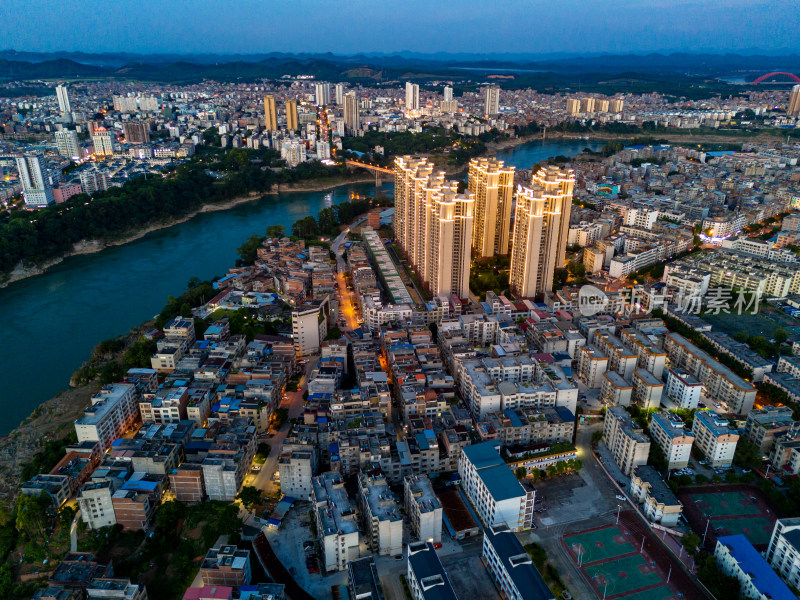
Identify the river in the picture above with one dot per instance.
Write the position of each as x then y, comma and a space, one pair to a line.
51, 322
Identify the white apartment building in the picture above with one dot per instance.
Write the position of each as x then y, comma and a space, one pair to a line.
719, 381
335, 517
659, 503
783, 552
114, 410
307, 330
496, 494
426, 577
67, 144
682, 389
33, 177
423, 509
647, 389
103, 141
381, 513
296, 469
669, 431
736, 557
492, 184
94, 501
627, 442
715, 438
510, 566
615, 390
764, 425
592, 364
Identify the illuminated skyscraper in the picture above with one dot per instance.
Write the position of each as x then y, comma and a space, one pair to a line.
270, 113
492, 184
448, 93
103, 141
352, 121
291, 115
36, 190
433, 225
587, 105
794, 102
63, 99
573, 106
322, 92
615, 105
412, 96
339, 94
492, 101
541, 226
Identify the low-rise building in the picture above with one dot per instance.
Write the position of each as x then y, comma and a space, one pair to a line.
336, 521
647, 389
682, 390
226, 566
765, 424
659, 503
615, 390
363, 581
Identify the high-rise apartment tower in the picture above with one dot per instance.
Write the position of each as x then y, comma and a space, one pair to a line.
492, 185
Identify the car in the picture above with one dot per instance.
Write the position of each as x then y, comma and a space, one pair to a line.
398, 557
620, 497
437, 545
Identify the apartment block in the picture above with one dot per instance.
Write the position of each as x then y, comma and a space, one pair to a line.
335, 517
647, 389
615, 390
187, 483
765, 424
426, 577
423, 509
226, 566
669, 431
492, 185
783, 552
715, 438
114, 410
682, 390
659, 503
495, 493
510, 566
736, 557
381, 513
627, 442
592, 364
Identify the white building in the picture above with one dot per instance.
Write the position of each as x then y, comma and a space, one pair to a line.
68, 145
307, 329
491, 105
33, 178
783, 552
493, 489
296, 470
426, 577
423, 509
412, 96
381, 514
615, 390
715, 438
94, 501
63, 99
736, 557
510, 566
335, 517
682, 389
322, 93
625, 439
659, 503
103, 141
114, 410
669, 431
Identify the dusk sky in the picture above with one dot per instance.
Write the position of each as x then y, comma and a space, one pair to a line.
475, 26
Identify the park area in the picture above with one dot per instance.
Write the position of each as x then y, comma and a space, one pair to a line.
764, 323
625, 561
735, 510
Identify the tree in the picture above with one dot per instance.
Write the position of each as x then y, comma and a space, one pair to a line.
249, 496
32, 515
747, 455
521, 472
249, 250
690, 541
780, 335
596, 437
305, 228
276, 231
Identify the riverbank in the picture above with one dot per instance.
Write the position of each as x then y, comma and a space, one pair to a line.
51, 420
92, 246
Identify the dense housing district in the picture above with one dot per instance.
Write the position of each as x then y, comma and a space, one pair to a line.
407, 432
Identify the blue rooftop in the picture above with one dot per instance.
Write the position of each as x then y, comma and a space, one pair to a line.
765, 580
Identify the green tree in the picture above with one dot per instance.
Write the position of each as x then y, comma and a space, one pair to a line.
248, 251
32, 515
249, 496
276, 231
305, 228
520, 472
780, 335
747, 455
690, 541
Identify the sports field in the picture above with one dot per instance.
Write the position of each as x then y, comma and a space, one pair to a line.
738, 509
627, 562
725, 504
756, 529
608, 542
623, 575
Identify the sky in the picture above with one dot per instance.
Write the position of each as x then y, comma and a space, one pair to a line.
386, 26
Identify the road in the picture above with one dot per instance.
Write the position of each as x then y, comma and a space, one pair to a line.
347, 300
293, 402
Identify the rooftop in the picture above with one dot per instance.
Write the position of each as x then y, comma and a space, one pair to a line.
430, 574
750, 561
517, 563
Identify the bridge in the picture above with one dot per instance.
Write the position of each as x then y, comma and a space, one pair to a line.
378, 170
763, 78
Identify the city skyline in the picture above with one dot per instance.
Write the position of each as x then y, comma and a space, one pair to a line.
574, 26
